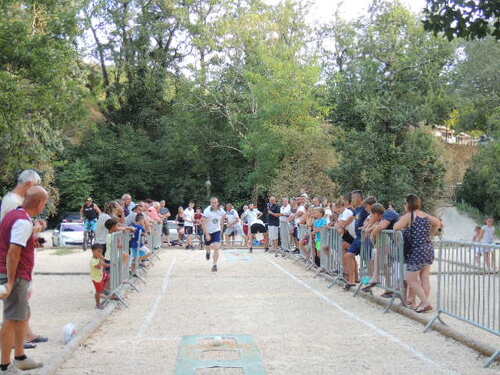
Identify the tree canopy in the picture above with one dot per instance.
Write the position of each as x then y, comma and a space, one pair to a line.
468, 19
155, 97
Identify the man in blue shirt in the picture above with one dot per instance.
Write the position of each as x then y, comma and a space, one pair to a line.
360, 215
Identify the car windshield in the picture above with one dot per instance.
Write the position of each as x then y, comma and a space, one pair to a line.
71, 228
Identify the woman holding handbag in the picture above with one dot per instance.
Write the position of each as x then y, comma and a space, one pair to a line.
418, 228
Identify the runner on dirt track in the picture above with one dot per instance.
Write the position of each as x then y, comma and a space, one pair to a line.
213, 219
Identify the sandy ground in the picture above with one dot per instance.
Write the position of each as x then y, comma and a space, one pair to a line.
299, 326
59, 299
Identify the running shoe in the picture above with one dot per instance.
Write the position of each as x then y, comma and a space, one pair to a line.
214, 268
267, 249
207, 255
251, 250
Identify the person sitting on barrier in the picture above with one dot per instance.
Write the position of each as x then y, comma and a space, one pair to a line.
320, 222
98, 274
360, 214
418, 229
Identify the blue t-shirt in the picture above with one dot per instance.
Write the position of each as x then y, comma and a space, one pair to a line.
320, 223
361, 215
392, 217
136, 241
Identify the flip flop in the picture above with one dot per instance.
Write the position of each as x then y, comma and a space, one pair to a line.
37, 339
424, 310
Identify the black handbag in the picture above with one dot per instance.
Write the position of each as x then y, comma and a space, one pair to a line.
407, 240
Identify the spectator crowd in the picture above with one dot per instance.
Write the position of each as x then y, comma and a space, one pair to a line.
302, 219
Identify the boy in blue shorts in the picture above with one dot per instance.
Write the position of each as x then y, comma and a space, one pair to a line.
137, 242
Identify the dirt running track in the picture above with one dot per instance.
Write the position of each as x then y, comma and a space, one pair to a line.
300, 327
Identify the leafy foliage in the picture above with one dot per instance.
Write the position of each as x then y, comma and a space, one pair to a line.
41, 92
481, 186
386, 80
468, 19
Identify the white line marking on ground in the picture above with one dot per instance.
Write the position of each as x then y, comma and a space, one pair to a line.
370, 325
152, 312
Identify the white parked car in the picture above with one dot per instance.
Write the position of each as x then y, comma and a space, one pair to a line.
68, 234
172, 230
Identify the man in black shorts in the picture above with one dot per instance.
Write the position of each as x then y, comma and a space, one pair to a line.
259, 227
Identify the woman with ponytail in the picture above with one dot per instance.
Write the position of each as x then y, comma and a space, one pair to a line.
418, 228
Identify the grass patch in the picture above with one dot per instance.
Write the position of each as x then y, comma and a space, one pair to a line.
62, 252
476, 215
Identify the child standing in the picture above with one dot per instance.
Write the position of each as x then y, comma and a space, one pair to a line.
137, 242
97, 274
487, 236
320, 221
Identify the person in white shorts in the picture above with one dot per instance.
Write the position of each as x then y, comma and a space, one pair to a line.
213, 218
233, 227
189, 225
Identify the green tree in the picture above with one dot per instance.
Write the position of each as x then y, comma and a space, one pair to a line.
75, 181
463, 18
477, 91
481, 185
384, 82
42, 93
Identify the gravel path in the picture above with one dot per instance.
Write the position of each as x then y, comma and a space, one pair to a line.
457, 226
299, 326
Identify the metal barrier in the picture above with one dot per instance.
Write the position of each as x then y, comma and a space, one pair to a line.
285, 237
383, 264
335, 260
302, 231
124, 269
468, 287
156, 234
119, 265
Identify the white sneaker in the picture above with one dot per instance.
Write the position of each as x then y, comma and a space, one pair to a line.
27, 364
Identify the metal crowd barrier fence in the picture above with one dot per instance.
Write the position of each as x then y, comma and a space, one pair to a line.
156, 234
302, 232
285, 237
331, 245
383, 264
468, 286
119, 265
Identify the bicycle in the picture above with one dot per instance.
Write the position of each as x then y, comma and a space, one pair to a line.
88, 234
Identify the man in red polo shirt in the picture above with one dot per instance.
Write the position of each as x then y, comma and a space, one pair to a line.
17, 256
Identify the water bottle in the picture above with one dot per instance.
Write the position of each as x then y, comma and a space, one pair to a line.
69, 332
